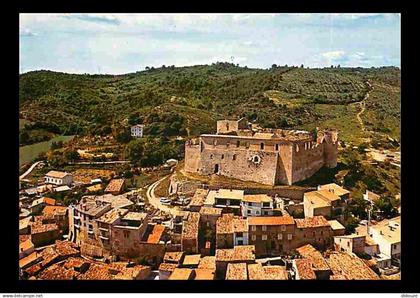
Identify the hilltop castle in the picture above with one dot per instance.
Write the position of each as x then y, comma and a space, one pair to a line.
268, 156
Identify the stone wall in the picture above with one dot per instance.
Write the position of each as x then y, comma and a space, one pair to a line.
308, 158
192, 157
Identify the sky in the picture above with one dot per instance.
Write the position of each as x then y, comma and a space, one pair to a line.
124, 43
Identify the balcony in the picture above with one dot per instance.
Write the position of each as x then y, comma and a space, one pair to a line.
103, 237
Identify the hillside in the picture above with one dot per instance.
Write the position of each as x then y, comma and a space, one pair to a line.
188, 100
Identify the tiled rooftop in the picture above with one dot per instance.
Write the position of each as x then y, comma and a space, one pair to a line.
54, 211
336, 225
181, 274
208, 262
57, 174
313, 255
167, 267
175, 256
304, 268
156, 234
204, 274
228, 224
311, 222
199, 197
192, 260
270, 220
259, 272
58, 272
236, 271
238, 253
352, 267
211, 211
190, 226
136, 216
115, 185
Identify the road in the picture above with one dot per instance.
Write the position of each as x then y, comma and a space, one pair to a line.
155, 202
21, 177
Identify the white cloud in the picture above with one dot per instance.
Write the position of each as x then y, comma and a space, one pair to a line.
25, 32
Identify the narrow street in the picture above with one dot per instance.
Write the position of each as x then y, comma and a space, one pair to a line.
21, 177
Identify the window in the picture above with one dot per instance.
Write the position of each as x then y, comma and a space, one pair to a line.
247, 145
289, 236
239, 234
223, 156
394, 246
283, 228
264, 237
262, 146
280, 236
238, 143
249, 211
234, 157
277, 147
253, 228
208, 224
211, 156
126, 234
254, 237
240, 242
264, 228
257, 212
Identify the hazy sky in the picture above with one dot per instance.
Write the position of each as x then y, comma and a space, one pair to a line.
122, 43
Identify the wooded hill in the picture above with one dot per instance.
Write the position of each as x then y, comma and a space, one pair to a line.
188, 100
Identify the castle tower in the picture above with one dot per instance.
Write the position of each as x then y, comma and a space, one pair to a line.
330, 142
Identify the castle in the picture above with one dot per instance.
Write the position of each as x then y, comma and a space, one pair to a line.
267, 156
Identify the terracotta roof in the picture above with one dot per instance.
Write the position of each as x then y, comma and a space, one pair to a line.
115, 185
57, 272
199, 197
211, 211
167, 267
270, 220
208, 262
204, 274
236, 271
190, 226
191, 260
338, 190
49, 201
156, 234
23, 246
352, 267
313, 255
24, 223
54, 210
39, 227
96, 272
311, 222
337, 277
304, 268
57, 174
29, 260
66, 248
260, 198
238, 253
259, 272
228, 224
174, 256
75, 263
34, 269
181, 274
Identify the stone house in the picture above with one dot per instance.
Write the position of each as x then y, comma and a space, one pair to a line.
231, 231
257, 205
58, 178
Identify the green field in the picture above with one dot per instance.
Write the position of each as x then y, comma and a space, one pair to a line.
28, 153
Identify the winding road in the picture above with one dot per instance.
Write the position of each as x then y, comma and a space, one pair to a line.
28, 171
155, 201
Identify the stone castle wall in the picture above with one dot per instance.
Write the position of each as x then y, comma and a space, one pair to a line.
267, 161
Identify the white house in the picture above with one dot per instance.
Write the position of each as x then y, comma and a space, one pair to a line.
137, 131
58, 178
257, 205
387, 234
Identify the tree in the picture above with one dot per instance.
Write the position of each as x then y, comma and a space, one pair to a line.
135, 150
23, 137
71, 155
387, 207
124, 136
274, 66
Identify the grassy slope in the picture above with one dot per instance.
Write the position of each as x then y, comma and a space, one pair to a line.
28, 153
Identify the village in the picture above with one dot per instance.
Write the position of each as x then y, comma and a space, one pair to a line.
236, 230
